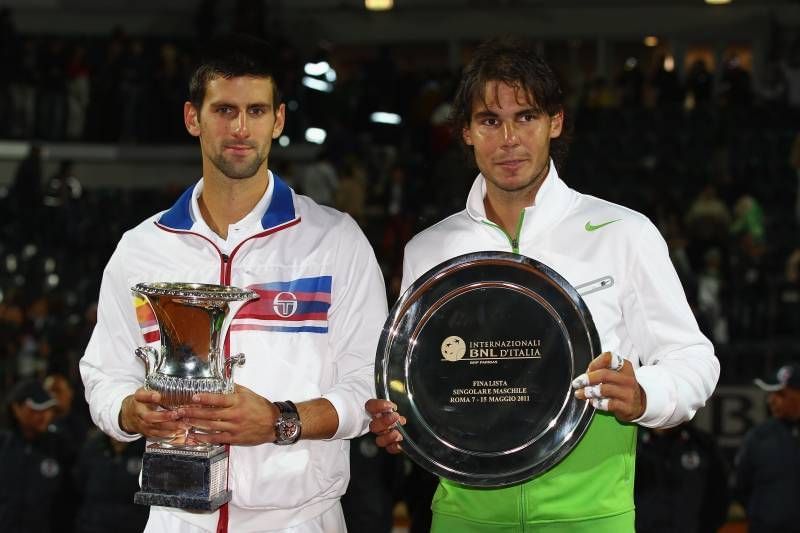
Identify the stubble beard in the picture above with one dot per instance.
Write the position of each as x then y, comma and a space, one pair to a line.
238, 170
534, 183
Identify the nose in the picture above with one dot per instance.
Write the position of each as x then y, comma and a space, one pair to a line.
240, 129
510, 137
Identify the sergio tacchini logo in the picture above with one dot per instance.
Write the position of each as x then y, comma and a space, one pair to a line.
590, 227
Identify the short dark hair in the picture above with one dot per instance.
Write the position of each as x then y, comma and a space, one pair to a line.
230, 56
515, 62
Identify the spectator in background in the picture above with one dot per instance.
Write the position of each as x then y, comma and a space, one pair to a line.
681, 481
35, 466
794, 163
78, 93
710, 297
68, 421
320, 180
51, 102
707, 222
107, 474
768, 464
26, 190
700, 83
25, 75
351, 195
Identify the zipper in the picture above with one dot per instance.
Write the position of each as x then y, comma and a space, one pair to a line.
513, 241
225, 269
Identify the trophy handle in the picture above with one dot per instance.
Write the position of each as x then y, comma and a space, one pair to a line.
149, 355
235, 360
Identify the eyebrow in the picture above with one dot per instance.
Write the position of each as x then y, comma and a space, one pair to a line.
223, 103
485, 113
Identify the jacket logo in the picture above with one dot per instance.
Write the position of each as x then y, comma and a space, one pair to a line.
289, 306
284, 304
591, 227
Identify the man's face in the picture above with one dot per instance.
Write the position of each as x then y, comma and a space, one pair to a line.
785, 403
60, 389
511, 140
31, 421
236, 125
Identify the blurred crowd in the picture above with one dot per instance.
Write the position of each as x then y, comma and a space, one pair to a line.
712, 159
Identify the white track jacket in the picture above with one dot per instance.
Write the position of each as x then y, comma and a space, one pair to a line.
618, 261
293, 250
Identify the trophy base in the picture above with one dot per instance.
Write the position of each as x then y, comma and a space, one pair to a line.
182, 502
185, 478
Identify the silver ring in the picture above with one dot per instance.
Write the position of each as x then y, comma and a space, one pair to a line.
617, 362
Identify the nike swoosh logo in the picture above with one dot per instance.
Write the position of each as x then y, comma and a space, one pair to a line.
590, 227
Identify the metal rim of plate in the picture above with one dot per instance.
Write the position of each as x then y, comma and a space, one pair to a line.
502, 445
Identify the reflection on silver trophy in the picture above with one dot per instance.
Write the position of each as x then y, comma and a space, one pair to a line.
192, 320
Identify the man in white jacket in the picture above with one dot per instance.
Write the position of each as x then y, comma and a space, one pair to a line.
241, 225
656, 368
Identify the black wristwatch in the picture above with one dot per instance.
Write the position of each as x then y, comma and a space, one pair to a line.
288, 425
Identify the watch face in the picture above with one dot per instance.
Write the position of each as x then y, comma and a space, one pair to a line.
287, 429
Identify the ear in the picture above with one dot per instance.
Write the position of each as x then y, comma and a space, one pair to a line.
280, 120
467, 136
556, 124
191, 119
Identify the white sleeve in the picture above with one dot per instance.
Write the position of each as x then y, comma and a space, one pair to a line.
679, 369
356, 319
109, 367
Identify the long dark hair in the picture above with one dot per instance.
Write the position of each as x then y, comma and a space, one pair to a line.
516, 63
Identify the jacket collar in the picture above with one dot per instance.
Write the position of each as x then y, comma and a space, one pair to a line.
550, 205
279, 211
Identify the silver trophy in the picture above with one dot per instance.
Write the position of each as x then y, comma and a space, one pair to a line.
192, 319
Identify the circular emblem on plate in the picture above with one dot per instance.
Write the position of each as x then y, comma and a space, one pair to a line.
453, 348
479, 355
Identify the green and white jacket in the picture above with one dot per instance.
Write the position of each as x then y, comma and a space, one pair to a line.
619, 262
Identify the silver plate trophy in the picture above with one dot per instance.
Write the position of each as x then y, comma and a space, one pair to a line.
192, 320
479, 355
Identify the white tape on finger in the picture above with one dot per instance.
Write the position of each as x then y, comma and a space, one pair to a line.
592, 391
617, 362
600, 403
580, 381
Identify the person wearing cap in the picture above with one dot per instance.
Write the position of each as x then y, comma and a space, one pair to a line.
768, 463
35, 466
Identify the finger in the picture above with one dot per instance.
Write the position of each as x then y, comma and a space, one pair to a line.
581, 381
615, 392
394, 448
203, 413
606, 375
154, 416
147, 396
604, 360
592, 391
164, 434
376, 407
601, 404
617, 362
381, 425
214, 400
215, 426
214, 438
391, 437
